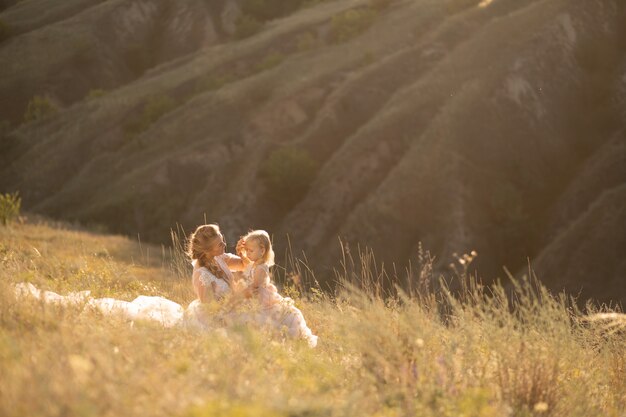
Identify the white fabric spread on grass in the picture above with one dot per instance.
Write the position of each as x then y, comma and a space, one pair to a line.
166, 312
170, 314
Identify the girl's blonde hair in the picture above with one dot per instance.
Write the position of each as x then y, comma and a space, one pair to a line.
200, 242
264, 241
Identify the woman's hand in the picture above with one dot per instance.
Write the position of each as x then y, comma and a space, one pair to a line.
240, 250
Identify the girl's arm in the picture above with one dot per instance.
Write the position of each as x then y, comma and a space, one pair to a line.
260, 277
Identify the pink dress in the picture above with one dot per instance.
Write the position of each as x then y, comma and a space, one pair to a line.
276, 311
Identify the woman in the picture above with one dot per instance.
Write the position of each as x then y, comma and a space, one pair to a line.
212, 277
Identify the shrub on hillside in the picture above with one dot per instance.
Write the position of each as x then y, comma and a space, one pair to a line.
7, 140
601, 72
368, 58
288, 173
138, 57
256, 12
259, 93
211, 82
380, 4
307, 41
351, 23
10, 204
269, 9
311, 3
152, 111
38, 108
5, 127
247, 26
270, 61
95, 93
507, 203
456, 6
5, 31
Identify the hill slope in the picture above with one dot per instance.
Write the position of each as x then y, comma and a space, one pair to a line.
495, 126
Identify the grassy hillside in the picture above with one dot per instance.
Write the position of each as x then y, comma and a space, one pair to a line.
479, 355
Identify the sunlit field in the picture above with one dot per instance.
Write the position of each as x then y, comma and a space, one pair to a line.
479, 353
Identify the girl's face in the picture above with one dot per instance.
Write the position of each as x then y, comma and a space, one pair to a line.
254, 251
217, 247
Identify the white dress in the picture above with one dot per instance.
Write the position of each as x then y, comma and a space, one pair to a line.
276, 311
153, 308
196, 315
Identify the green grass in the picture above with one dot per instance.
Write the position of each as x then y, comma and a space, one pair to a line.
397, 356
39, 107
96, 93
270, 61
287, 173
10, 204
307, 41
5, 31
247, 26
351, 23
212, 82
153, 110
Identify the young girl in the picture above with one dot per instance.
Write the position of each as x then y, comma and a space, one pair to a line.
276, 311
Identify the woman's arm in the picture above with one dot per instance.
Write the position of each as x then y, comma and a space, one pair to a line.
237, 262
198, 287
201, 288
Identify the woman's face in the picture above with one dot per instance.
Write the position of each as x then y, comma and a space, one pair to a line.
217, 247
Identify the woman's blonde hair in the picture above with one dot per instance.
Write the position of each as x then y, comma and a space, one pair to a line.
264, 241
200, 242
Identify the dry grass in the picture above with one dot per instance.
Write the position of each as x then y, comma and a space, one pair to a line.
482, 354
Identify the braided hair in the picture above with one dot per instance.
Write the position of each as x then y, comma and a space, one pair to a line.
202, 240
